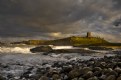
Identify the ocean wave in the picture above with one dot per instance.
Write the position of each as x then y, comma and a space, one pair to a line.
15, 49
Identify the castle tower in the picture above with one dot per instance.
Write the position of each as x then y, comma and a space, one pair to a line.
89, 34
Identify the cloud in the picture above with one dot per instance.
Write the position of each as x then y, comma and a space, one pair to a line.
117, 4
43, 18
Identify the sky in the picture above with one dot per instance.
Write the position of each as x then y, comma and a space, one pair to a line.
51, 19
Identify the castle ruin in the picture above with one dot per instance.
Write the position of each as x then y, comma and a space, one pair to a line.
89, 35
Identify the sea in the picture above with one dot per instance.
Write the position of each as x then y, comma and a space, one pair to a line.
15, 60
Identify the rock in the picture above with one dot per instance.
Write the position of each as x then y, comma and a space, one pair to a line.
88, 75
51, 72
91, 62
74, 73
75, 79
93, 78
103, 77
97, 73
2, 78
41, 49
119, 78
97, 69
119, 64
81, 78
85, 70
72, 51
9, 76
65, 77
55, 77
103, 64
66, 69
40, 71
26, 75
111, 64
57, 64
118, 70
110, 69
106, 71
99, 48
111, 77
4, 65
44, 78
113, 73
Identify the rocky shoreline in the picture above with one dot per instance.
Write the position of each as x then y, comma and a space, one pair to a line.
48, 49
107, 68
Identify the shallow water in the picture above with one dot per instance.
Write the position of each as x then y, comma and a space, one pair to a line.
16, 60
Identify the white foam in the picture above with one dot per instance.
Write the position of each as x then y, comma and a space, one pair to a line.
15, 50
61, 47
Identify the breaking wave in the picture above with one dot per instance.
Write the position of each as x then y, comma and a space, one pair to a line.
62, 47
15, 49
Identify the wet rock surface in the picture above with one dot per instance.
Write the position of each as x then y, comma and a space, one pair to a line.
71, 51
48, 49
99, 48
107, 68
41, 49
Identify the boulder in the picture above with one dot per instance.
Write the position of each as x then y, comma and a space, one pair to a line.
97, 73
119, 78
74, 73
44, 78
97, 69
118, 70
111, 77
72, 51
113, 73
99, 48
85, 70
2, 78
93, 78
103, 77
55, 77
89, 74
81, 78
41, 49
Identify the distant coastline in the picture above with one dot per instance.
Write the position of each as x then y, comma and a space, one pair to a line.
88, 40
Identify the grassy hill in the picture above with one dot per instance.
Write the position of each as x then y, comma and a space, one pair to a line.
73, 41
87, 41
78, 41
31, 42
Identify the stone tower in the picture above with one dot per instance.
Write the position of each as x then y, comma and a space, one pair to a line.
89, 34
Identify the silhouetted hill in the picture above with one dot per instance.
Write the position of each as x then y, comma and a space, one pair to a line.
74, 41
77, 41
31, 42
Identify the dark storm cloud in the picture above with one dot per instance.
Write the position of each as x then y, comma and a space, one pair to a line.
45, 9
117, 22
40, 13
22, 18
117, 4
